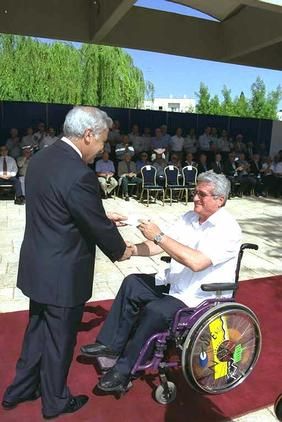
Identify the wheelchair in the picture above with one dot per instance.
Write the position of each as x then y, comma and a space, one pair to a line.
218, 343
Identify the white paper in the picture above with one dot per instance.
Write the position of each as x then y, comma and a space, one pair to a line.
133, 220
189, 167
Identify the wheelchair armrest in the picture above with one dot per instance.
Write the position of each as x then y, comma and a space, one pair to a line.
249, 246
213, 287
166, 259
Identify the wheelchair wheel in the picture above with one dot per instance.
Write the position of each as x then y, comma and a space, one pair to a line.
221, 349
164, 397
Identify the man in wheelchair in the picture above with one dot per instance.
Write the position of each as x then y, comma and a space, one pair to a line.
203, 245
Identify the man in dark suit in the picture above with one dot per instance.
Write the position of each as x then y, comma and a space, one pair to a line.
65, 220
217, 165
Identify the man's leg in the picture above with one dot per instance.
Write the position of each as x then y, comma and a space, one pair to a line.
113, 184
155, 317
60, 331
27, 378
103, 184
136, 291
17, 185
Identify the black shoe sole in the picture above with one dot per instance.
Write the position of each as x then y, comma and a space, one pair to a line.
11, 405
99, 355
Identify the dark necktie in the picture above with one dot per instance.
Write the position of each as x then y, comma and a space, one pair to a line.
5, 167
128, 166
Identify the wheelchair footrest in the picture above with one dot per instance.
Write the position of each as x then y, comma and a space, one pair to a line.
106, 363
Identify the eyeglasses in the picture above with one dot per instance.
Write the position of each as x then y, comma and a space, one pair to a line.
202, 194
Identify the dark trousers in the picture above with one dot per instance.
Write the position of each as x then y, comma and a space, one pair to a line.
140, 310
46, 355
16, 184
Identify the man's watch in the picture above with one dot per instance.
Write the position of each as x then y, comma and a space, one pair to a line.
158, 238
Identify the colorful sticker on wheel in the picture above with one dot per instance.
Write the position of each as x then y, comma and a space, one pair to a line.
238, 352
219, 334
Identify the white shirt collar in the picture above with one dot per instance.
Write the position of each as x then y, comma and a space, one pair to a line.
71, 144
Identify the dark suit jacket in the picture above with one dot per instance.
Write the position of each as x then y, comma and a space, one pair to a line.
201, 168
65, 220
216, 168
228, 169
255, 169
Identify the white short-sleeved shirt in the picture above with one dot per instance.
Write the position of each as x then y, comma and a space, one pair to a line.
219, 238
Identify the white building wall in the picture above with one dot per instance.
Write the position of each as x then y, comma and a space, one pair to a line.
180, 105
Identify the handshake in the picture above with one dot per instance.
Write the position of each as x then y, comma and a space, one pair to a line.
130, 250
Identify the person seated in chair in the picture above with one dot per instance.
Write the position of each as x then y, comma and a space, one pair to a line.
203, 245
105, 171
127, 173
8, 172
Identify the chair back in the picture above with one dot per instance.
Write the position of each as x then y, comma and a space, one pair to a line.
149, 175
189, 174
171, 173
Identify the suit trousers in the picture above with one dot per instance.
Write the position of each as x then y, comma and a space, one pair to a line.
46, 355
140, 310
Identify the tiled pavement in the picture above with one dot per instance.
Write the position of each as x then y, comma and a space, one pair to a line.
260, 220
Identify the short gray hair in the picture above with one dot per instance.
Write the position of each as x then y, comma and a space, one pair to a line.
221, 185
81, 118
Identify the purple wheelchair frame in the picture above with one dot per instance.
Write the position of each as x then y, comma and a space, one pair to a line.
181, 324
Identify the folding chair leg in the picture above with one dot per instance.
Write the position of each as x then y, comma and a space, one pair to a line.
148, 195
170, 197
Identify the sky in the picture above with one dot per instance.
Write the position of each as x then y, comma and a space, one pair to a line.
180, 76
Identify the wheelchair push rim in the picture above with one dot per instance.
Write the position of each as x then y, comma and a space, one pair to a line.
221, 349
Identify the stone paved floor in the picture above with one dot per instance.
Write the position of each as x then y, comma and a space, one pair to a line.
260, 220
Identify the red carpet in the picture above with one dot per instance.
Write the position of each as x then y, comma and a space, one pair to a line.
263, 296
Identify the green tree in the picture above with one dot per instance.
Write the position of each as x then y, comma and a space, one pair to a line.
264, 105
215, 106
150, 91
241, 106
95, 75
203, 105
227, 105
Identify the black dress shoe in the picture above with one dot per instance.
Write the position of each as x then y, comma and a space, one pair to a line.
11, 404
113, 381
96, 350
73, 405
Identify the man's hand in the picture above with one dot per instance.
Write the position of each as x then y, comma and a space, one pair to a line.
148, 229
128, 251
5, 177
117, 219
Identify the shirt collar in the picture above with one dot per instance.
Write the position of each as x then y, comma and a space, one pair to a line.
212, 220
71, 144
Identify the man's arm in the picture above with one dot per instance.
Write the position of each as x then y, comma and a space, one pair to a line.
191, 258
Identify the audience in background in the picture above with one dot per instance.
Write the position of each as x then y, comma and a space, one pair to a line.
127, 174
105, 171
8, 172
23, 162
13, 144
245, 163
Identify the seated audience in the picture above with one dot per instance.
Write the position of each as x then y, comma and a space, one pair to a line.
114, 136
189, 160
217, 165
159, 162
224, 144
203, 164
23, 162
175, 161
202, 251
176, 143
49, 139
142, 161
247, 182
13, 144
190, 142
239, 145
8, 172
123, 148
105, 171
159, 141
147, 140
28, 140
136, 140
205, 141
127, 173
39, 135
